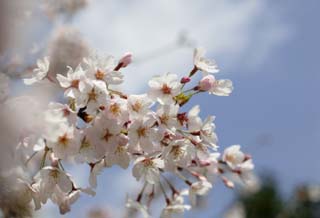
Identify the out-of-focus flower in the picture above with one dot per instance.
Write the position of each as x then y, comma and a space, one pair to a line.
135, 205
176, 206
39, 73
233, 156
69, 7
4, 86
66, 48
201, 187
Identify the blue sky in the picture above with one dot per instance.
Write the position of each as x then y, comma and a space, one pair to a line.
269, 49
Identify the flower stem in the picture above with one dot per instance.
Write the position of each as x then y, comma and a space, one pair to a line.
44, 157
27, 161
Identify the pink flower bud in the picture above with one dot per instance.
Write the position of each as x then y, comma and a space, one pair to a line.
185, 80
126, 59
206, 83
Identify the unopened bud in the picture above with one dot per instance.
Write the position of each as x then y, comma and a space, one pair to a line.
228, 183
206, 83
185, 80
126, 59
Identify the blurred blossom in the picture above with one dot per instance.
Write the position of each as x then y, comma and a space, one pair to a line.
98, 213
236, 211
69, 7
314, 193
4, 86
66, 48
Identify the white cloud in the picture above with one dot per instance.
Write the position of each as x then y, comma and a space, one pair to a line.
243, 31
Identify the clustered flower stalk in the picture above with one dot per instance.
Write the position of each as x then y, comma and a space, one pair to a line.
102, 126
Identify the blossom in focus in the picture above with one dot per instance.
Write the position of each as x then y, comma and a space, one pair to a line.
164, 88
72, 81
148, 168
101, 68
202, 63
47, 179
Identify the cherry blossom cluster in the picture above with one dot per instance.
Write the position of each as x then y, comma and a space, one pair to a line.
100, 126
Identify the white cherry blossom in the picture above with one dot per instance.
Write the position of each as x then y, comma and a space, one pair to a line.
233, 156
96, 169
102, 68
143, 135
67, 143
64, 200
72, 81
39, 73
103, 134
164, 88
167, 115
201, 188
48, 178
202, 63
93, 95
139, 105
148, 169
221, 88
119, 154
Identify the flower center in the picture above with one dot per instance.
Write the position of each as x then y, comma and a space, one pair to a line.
164, 119
136, 106
63, 140
99, 75
115, 109
107, 135
54, 174
166, 89
142, 131
147, 162
85, 144
75, 84
120, 149
92, 95
230, 158
176, 151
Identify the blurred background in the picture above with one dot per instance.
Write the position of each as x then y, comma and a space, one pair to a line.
269, 49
